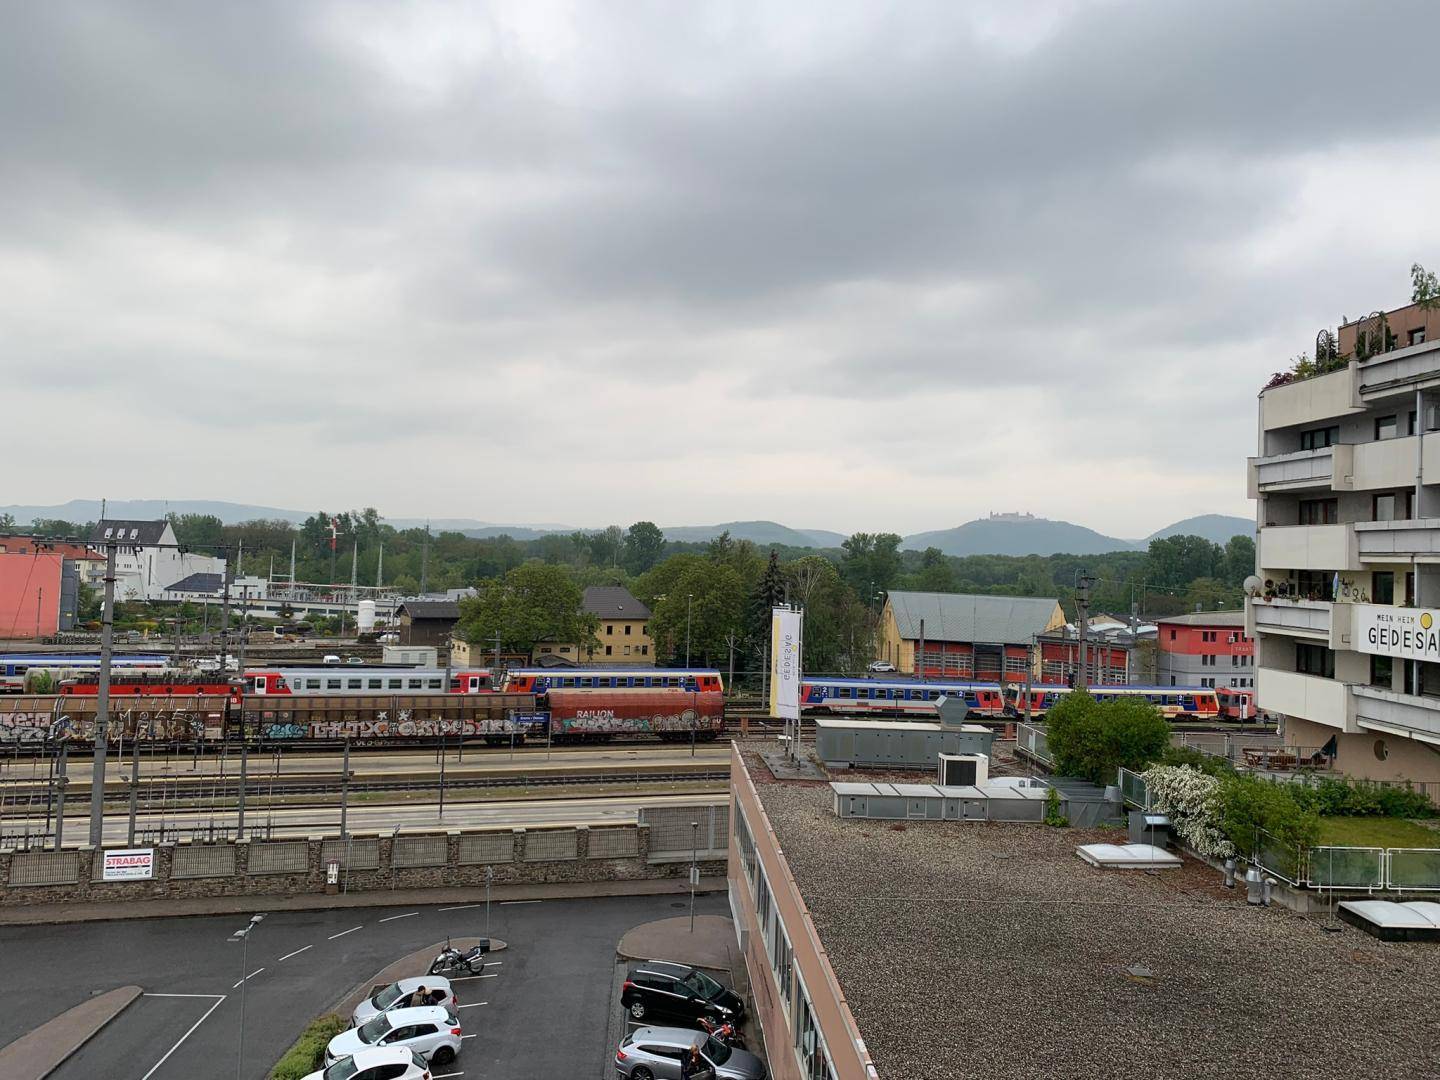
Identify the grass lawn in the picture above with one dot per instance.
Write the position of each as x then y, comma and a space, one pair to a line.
1377, 832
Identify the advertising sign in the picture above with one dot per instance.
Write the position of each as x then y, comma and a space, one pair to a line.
1411, 633
785, 628
132, 864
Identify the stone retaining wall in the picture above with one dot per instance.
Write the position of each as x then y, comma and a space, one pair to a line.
389, 861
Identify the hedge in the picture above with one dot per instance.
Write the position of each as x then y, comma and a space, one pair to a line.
308, 1053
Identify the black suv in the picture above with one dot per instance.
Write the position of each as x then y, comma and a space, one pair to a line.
660, 988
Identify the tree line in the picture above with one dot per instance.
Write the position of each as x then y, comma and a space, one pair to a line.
529, 590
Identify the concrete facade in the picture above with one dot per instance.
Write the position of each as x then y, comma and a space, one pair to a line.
1347, 484
30, 587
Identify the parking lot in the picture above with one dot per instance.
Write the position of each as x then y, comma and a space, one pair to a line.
543, 1010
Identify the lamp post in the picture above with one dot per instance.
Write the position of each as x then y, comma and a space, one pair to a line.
694, 868
244, 936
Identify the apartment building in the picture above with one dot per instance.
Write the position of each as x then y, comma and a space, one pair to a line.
1347, 485
1206, 648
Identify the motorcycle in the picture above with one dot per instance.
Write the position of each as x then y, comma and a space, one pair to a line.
725, 1032
452, 962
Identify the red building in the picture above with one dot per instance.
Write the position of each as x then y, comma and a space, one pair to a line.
30, 594
1208, 648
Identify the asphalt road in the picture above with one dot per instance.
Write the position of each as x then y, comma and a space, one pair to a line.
544, 1013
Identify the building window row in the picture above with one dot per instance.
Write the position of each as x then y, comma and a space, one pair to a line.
1314, 660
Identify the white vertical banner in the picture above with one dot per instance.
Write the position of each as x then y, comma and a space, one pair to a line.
785, 630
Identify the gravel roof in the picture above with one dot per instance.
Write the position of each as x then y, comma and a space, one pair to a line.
975, 950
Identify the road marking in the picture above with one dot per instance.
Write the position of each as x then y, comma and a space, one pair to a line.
407, 915
462, 907
464, 1037
147, 993
473, 1005
342, 933
446, 1076
247, 978
219, 998
297, 952
506, 903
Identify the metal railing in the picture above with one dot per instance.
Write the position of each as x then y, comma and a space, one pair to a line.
1336, 866
1030, 741
1134, 790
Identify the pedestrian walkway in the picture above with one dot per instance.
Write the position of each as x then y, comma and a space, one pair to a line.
43, 1050
710, 945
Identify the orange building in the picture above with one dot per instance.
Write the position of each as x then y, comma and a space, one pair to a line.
30, 593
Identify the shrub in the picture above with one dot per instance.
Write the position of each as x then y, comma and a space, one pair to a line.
308, 1053
1191, 799
1053, 816
1333, 797
1095, 739
1248, 805
1197, 760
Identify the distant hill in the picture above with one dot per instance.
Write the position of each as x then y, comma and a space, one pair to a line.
1214, 527
757, 532
82, 510
1017, 536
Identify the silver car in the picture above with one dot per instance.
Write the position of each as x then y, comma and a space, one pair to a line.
654, 1053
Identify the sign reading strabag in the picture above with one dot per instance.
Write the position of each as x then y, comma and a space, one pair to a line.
132, 864
1412, 633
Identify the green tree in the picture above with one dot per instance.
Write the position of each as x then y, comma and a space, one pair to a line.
1425, 289
1177, 560
644, 543
836, 622
710, 595
204, 532
534, 602
7, 521
871, 561
935, 573
1094, 739
1239, 562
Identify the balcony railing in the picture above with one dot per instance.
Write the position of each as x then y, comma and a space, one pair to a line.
1300, 618
1308, 547
1408, 715
1304, 469
1380, 541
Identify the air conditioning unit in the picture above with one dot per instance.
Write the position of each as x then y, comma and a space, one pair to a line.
963, 770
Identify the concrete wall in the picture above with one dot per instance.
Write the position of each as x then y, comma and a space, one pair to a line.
1370, 755
30, 594
1311, 400
406, 861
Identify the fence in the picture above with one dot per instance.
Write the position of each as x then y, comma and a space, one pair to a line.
672, 837
1334, 866
1030, 741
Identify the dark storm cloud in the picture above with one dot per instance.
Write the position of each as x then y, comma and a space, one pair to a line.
372, 223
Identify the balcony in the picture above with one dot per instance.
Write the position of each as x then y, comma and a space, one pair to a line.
1382, 466
1310, 401
1295, 618
1310, 697
1396, 371
1308, 547
1397, 541
1303, 470
1397, 714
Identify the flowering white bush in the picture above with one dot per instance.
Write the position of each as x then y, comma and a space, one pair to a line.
1191, 800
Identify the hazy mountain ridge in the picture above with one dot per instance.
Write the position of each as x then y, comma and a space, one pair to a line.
985, 536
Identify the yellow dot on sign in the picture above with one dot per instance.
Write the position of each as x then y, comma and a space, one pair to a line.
1426, 620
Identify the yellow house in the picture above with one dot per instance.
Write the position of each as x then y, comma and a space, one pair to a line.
965, 636
622, 633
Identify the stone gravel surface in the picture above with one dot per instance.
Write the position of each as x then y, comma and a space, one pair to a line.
978, 950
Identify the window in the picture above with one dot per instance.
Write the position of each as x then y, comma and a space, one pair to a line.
1386, 427
1315, 585
332, 684
609, 629
377, 684
644, 650
354, 684
609, 649
1319, 511
1393, 507
1318, 438
628, 628
397, 684
1172, 635
435, 683
1314, 660
1382, 669
1234, 662
627, 650
1383, 586
1417, 336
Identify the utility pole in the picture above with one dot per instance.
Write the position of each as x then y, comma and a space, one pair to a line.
495, 674
380, 567
425, 561
244, 749
102, 708
689, 597
1029, 671
1082, 611
355, 567
225, 614
292, 566
345, 799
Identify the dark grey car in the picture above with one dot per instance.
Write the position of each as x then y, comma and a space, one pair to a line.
654, 1053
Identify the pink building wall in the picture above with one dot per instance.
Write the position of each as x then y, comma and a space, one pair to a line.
30, 594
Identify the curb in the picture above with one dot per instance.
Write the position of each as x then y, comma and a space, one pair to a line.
40, 1052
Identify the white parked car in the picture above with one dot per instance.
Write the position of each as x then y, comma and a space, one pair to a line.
432, 1031
377, 1063
881, 665
403, 995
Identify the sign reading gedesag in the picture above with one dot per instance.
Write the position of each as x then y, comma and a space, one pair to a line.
1382, 630
785, 630
132, 864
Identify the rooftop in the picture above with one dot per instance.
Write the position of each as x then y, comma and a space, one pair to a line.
1206, 618
198, 583
613, 602
980, 950
145, 533
968, 617
430, 609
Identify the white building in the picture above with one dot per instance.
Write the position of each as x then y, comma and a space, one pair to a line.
1347, 618
148, 559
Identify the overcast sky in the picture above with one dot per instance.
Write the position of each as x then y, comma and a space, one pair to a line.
853, 266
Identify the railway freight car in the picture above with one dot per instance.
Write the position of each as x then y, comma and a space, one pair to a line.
673, 715
37, 719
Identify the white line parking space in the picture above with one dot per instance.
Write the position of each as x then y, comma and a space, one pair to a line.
247, 978
297, 952
473, 1005
218, 1001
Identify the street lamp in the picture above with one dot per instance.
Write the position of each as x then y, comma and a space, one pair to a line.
244, 936
688, 598
694, 869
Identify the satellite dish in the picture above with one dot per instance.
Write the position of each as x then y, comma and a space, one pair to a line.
1252, 585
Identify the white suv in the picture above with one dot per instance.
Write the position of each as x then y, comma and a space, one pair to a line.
432, 1031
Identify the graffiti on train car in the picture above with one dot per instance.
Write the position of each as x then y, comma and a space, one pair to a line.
603, 721
407, 728
162, 725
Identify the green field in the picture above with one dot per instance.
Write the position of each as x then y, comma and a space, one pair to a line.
1377, 832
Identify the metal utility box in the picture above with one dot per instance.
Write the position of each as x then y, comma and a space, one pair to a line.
1149, 828
963, 770
414, 655
895, 744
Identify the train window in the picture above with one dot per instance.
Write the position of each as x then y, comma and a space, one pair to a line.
332, 684
585, 682
314, 684
397, 684
672, 682
354, 684
434, 684
416, 684
843, 692
377, 684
